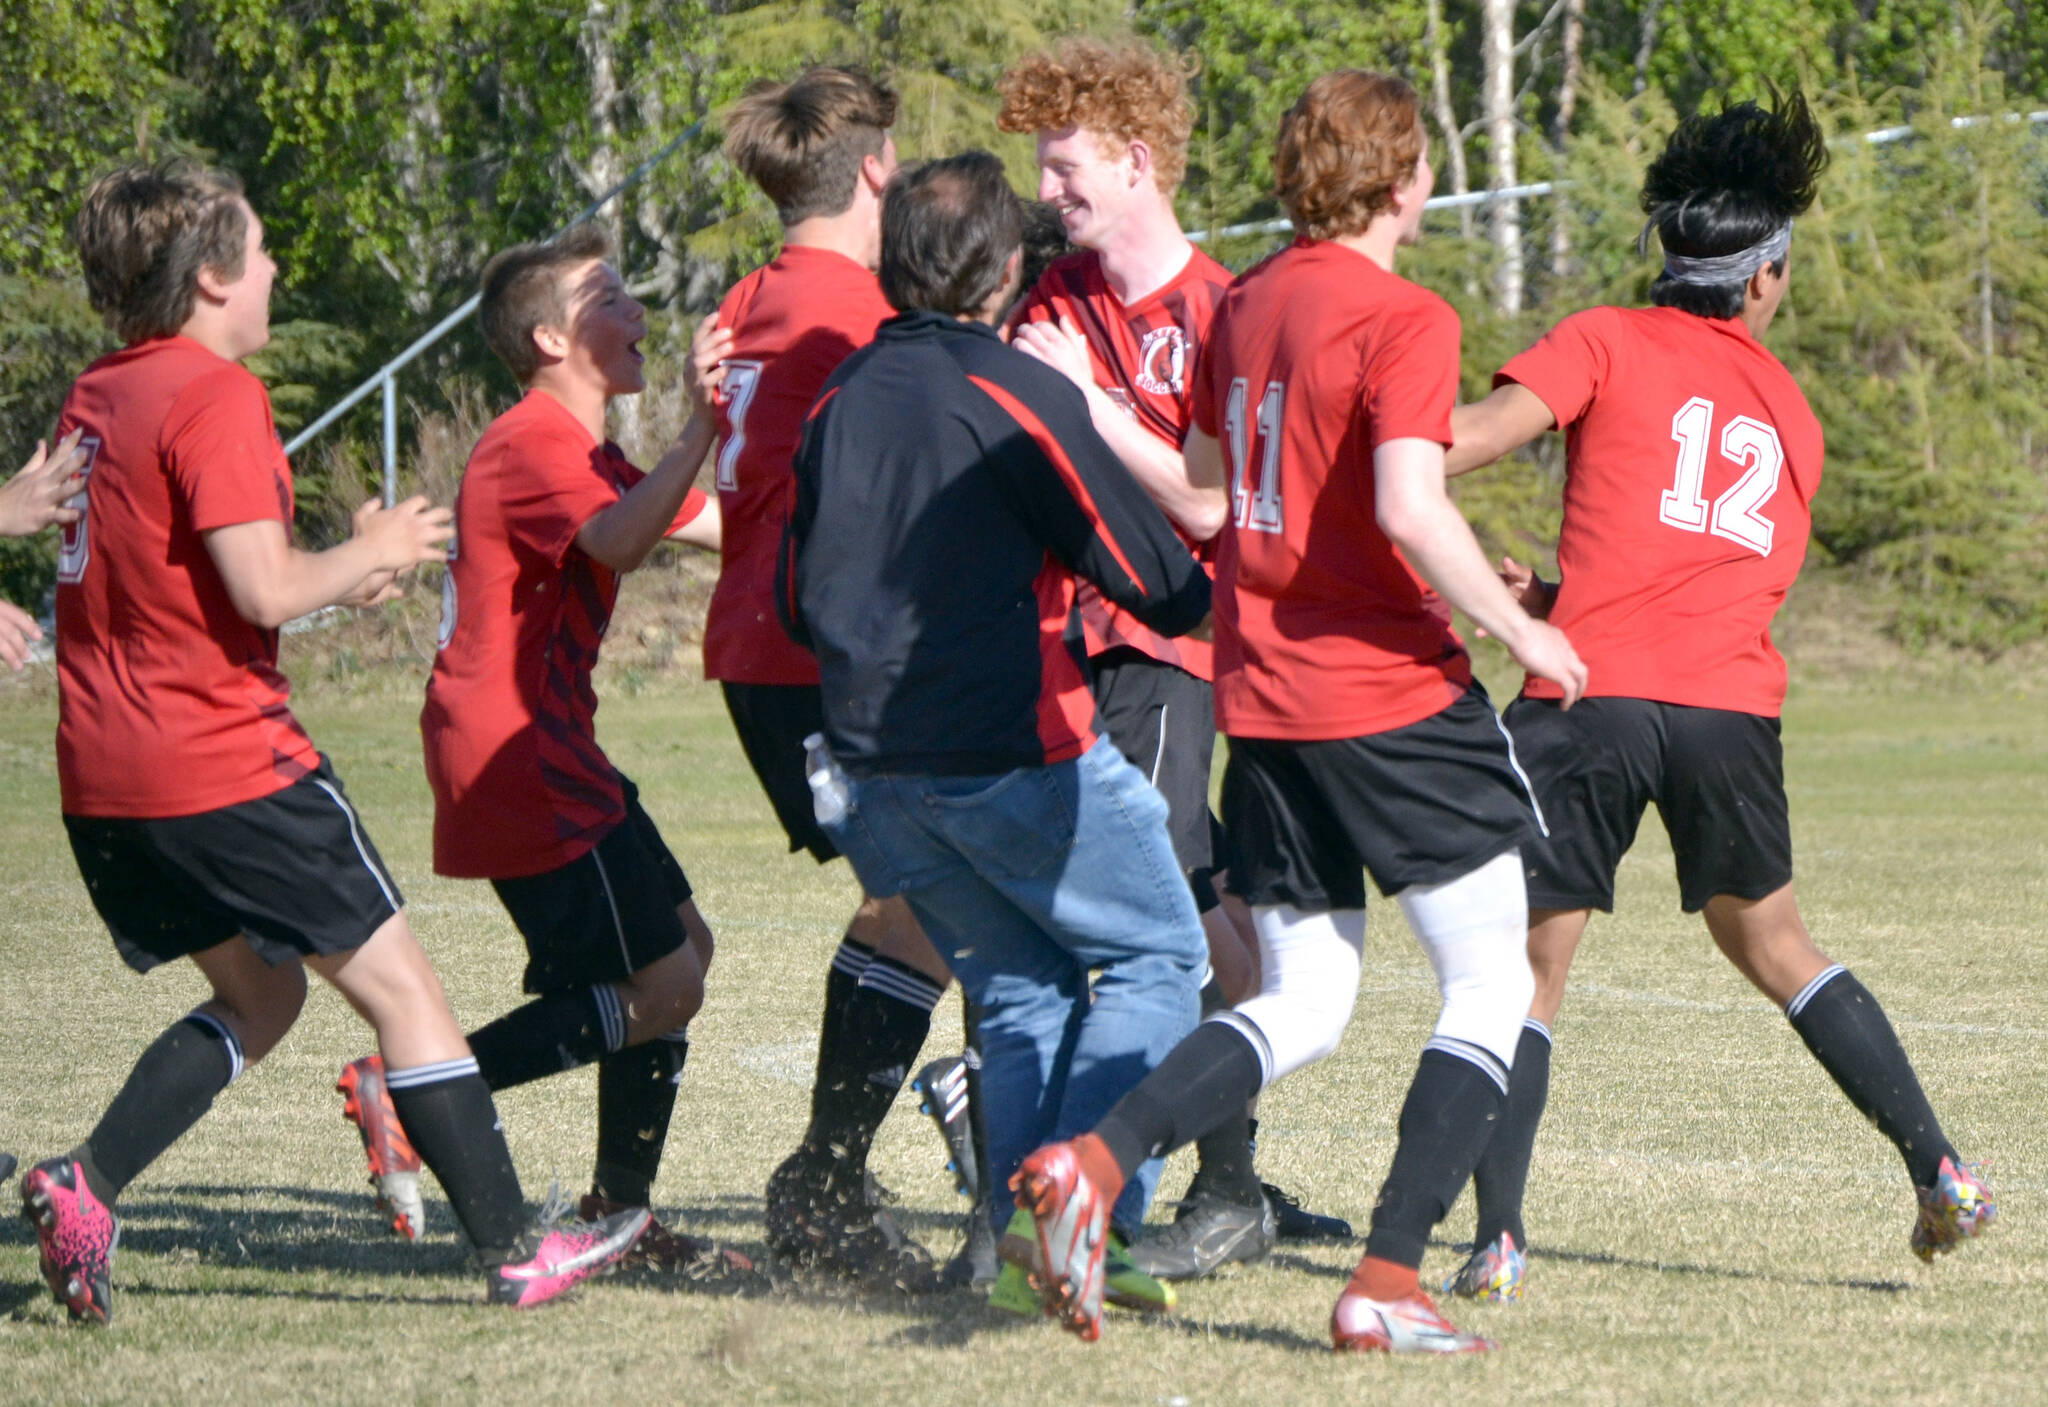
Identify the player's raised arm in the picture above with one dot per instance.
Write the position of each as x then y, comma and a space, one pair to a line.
1501, 424
270, 581
1418, 517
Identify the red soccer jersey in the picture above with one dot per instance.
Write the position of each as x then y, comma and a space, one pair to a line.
520, 784
793, 321
170, 703
1146, 357
1691, 461
1316, 358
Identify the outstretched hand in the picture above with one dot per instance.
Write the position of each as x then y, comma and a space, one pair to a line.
18, 631
1544, 651
35, 498
1531, 592
406, 535
705, 369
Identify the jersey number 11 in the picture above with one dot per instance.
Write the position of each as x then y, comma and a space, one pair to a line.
1255, 506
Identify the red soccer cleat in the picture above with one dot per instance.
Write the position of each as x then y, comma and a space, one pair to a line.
394, 1166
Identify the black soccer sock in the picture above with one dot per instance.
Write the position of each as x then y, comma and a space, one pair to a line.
885, 1022
1502, 1176
169, 1090
1203, 1081
836, 1055
1846, 1030
636, 1094
1451, 1112
548, 1035
446, 1111
1223, 1155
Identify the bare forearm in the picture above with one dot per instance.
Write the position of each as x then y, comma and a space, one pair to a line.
1439, 545
1160, 471
304, 582
624, 534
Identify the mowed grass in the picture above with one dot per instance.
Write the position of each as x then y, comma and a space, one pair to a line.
1712, 1221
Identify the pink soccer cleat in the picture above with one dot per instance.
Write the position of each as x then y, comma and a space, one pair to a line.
77, 1234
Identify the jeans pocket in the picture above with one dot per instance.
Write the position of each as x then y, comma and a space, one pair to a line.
1020, 824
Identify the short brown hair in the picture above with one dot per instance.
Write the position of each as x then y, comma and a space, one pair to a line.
1347, 144
948, 231
1127, 92
145, 232
802, 142
522, 290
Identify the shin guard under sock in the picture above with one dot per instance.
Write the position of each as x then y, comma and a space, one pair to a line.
1203, 1081
169, 1090
548, 1035
885, 1023
835, 1055
448, 1116
1848, 1033
636, 1095
1502, 1176
1451, 1112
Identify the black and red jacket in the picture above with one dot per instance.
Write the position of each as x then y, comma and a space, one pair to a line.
948, 491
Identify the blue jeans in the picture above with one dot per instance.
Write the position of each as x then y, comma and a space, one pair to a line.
1027, 881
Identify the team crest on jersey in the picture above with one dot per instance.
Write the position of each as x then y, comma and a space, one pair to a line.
1163, 361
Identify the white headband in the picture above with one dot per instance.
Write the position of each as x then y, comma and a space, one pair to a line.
1719, 270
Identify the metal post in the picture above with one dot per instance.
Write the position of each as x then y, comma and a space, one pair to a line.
390, 440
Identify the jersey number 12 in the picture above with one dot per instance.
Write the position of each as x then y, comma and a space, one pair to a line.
1255, 504
1734, 514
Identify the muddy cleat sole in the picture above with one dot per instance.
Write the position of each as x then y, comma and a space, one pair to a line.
565, 1256
942, 1085
76, 1234
1410, 1325
1070, 1223
1958, 1207
659, 1248
394, 1165
1293, 1222
1492, 1274
1206, 1234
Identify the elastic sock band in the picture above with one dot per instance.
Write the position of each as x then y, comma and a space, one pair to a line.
852, 959
611, 1017
420, 1076
1489, 1063
1812, 989
1530, 1023
213, 1023
1249, 1029
905, 984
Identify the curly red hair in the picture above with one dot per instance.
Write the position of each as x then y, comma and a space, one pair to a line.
1351, 139
1125, 92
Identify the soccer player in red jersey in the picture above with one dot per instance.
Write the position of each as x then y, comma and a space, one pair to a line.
204, 822
819, 147
549, 516
1358, 739
1691, 459
40, 496
1124, 317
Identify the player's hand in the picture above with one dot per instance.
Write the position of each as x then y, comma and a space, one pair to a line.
407, 535
1531, 592
1060, 346
18, 631
376, 588
705, 368
34, 499
1544, 651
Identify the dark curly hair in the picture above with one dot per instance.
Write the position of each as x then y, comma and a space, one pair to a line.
1726, 181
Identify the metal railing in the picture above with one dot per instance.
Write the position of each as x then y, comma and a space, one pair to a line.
385, 378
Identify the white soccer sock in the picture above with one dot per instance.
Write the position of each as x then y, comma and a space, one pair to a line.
1308, 984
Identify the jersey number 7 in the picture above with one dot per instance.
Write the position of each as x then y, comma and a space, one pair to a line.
1255, 506
1734, 514
74, 548
742, 379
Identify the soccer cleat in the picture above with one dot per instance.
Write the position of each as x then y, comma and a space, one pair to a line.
660, 1248
975, 1265
1207, 1232
1123, 1283
865, 1245
1957, 1207
1408, 1325
943, 1085
1492, 1274
77, 1234
394, 1166
563, 1256
1071, 1225
1292, 1222
814, 1223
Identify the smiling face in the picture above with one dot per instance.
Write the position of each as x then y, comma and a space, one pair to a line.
601, 345
1091, 188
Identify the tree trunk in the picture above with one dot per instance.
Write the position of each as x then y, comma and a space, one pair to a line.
1497, 49
1646, 46
603, 21
1561, 132
1447, 115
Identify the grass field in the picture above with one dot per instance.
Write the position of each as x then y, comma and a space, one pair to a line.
1712, 1221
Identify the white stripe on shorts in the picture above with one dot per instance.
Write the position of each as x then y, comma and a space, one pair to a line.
619, 928
1515, 762
355, 833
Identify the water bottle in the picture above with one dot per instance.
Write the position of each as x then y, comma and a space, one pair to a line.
829, 794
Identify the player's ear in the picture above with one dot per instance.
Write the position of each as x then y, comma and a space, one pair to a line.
1140, 157
214, 283
551, 342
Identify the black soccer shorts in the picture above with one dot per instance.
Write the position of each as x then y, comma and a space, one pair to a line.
607, 913
1717, 776
294, 872
773, 720
1164, 720
1423, 804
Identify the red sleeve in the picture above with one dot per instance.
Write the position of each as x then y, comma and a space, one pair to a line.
692, 509
1411, 375
1202, 390
552, 487
1566, 369
223, 456
1035, 306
